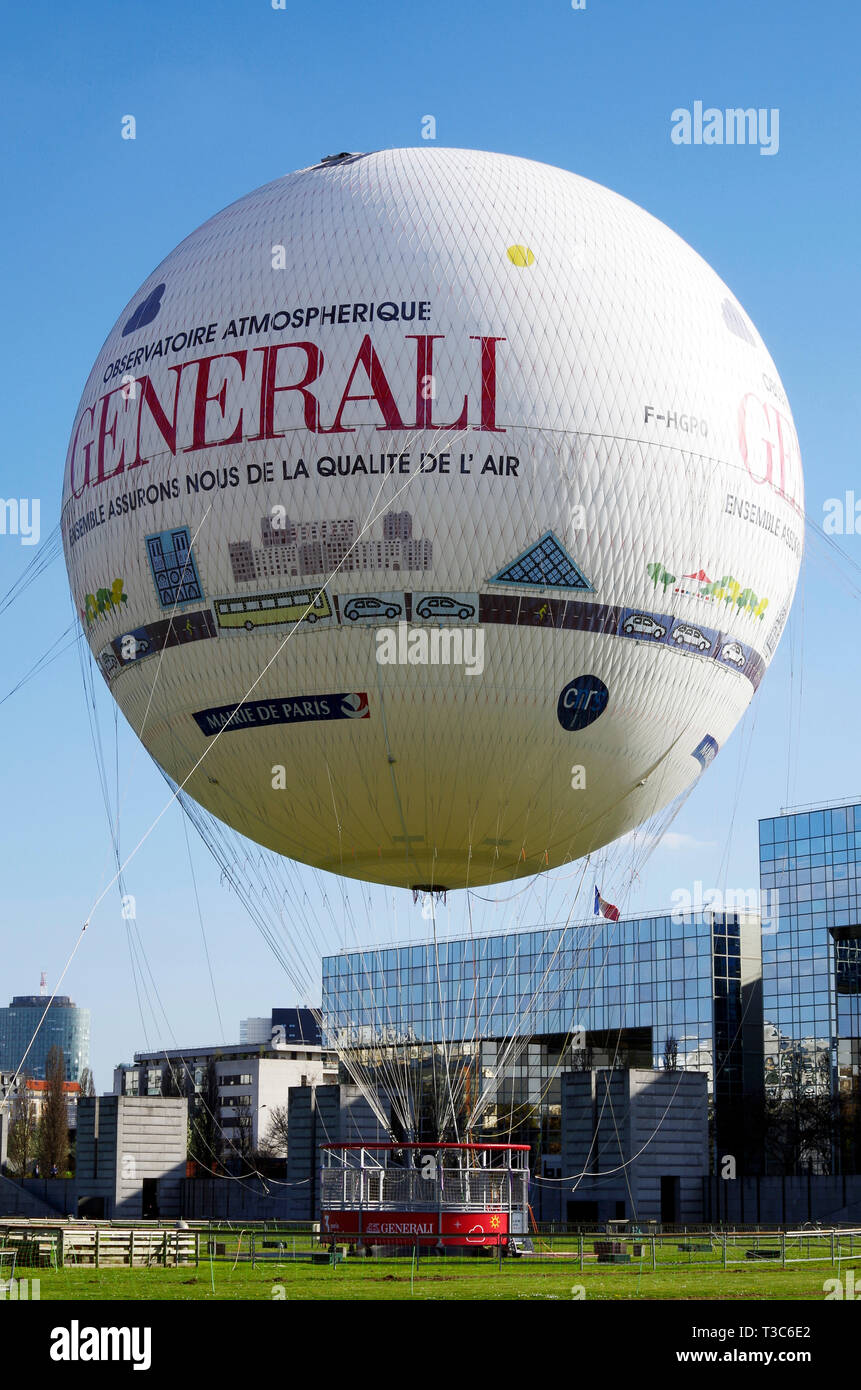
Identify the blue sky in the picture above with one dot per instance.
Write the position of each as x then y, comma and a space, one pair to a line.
229, 95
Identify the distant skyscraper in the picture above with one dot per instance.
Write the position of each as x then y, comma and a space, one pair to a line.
65, 1026
284, 1026
255, 1030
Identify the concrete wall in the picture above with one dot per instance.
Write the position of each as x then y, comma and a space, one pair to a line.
123, 1140
152, 1142
38, 1197
319, 1115
96, 1150
219, 1199
774, 1201
301, 1150
624, 1131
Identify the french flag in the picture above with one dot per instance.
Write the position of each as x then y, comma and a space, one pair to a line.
604, 908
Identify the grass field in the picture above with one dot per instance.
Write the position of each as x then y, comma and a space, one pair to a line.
357, 1280
242, 1263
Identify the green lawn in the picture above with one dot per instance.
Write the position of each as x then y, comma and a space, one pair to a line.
434, 1279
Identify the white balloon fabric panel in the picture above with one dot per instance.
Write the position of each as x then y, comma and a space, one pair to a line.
435, 513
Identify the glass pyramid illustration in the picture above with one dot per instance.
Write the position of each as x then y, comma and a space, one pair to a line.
545, 565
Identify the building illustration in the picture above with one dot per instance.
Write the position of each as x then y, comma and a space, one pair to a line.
319, 547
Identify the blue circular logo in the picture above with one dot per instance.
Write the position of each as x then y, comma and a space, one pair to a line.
581, 702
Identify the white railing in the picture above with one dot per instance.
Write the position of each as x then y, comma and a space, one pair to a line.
407, 1189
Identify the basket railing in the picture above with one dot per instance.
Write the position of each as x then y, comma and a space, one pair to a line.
408, 1189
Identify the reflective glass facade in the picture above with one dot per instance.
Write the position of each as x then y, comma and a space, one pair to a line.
639, 992
811, 955
771, 1012
654, 972
66, 1026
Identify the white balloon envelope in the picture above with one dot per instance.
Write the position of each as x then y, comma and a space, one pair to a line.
433, 515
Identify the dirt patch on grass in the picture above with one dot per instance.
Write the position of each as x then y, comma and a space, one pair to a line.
422, 1279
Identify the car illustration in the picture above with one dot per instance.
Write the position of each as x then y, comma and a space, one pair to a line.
130, 646
367, 607
441, 606
686, 636
641, 624
732, 652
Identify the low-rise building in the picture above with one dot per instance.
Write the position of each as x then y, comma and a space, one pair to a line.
37, 1094
249, 1081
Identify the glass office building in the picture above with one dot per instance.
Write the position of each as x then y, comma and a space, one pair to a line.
769, 1008
676, 989
811, 958
65, 1026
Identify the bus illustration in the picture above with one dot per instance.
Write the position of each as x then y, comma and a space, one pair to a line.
260, 610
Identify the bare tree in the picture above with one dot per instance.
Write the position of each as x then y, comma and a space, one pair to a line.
274, 1144
172, 1080
671, 1054
206, 1140
22, 1129
53, 1141
801, 1127
243, 1145
88, 1082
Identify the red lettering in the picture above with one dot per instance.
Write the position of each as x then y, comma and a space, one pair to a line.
88, 447
166, 427
424, 373
268, 388
742, 439
381, 392
203, 399
788, 454
109, 432
488, 383
158, 420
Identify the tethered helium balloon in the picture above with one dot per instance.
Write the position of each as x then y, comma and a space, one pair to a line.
433, 515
